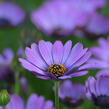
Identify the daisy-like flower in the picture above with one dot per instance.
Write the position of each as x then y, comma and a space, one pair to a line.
24, 85
6, 59
98, 91
34, 102
62, 17
56, 61
10, 14
101, 55
72, 94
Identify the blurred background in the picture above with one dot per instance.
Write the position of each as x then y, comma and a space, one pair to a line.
27, 31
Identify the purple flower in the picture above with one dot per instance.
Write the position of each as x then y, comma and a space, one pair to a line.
6, 59
101, 54
72, 94
34, 102
10, 14
56, 61
20, 52
98, 91
24, 85
62, 17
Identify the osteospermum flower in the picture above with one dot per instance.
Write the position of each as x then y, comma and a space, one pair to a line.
56, 61
98, 91
10, 14
72, 94
6, 59
62, 17
34, 102
101, 54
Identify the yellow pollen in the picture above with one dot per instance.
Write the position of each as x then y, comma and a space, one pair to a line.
57, 69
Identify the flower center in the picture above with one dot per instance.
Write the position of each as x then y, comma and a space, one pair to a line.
4, 22
102, 101
57, 69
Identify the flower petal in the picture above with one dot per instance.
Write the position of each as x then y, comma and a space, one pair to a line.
15, 103
31, 67
76, 53
57, 52
45, 49
75, 74
66, 52
48, 105
82, 60
35, 58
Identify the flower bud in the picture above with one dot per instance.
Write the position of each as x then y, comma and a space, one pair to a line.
4, 98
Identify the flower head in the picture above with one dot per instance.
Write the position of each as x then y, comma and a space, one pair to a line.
101, 54
62, 17
34, 102
10, 14
72, 94
6, 59
98, 91
56, 61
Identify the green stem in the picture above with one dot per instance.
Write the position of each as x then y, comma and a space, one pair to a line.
56, 95
17, 86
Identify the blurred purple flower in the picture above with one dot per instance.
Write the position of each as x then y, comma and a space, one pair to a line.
72, 94
6, 59
56, 61
20, 52
98, 91
101, 55
62, 17
34, 102
24, 84
10, 14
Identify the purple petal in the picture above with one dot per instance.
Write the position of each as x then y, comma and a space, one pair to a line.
91, 85
43, 77
104, 86
48, 105
31, 67
15, 103
34, 57
103, 73
76, 53
34, 102
45, 49
97, 87
102, 42
66, 52
82, 60
75, 74
57, 52
98, 63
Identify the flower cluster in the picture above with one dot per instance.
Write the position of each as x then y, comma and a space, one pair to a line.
34, 102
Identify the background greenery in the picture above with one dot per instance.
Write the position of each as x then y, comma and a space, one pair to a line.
11, 38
